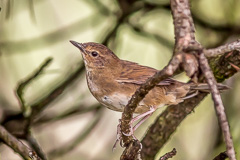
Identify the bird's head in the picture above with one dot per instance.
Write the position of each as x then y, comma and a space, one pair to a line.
96, 55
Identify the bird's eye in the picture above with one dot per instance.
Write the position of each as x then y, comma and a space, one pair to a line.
94, 54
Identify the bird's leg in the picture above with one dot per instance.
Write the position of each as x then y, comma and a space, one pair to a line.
119, 136
141, 121
144, 116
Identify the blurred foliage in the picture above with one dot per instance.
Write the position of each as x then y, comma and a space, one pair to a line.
136, 30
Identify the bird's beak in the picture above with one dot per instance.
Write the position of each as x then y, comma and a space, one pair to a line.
79, 46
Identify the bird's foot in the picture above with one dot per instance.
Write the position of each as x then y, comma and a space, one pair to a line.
143, 117
119, 134
131, 129
130, 133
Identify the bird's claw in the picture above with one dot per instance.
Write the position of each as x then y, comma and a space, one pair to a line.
128, 134
119, 135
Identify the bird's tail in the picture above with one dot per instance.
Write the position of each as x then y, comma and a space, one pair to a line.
203, 87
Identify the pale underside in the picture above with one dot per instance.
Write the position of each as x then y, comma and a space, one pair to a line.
114, 92
118, 101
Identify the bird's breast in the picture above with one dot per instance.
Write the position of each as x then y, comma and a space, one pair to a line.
107, 91
115, 101
116, 96
93, 86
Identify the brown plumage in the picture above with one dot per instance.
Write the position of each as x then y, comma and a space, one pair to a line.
113, 81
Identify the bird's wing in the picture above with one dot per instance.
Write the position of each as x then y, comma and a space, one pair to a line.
138, 74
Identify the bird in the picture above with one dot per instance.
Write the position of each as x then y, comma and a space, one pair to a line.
113, 81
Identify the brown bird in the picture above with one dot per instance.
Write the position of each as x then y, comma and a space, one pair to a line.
113, 81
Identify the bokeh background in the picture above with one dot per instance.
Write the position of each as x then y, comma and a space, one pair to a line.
74, 126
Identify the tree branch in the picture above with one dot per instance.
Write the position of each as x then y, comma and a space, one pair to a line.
183, 23
26, 122
184, 38
169, 155
166, 123
222, 118
22, 84
223, 49
42, 104
14, 143
73, 111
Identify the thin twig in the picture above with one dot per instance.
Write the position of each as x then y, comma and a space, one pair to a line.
235, 67
223, 49
40, 105
74, 111
22, 84
14, 143
169, 155
222, 118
